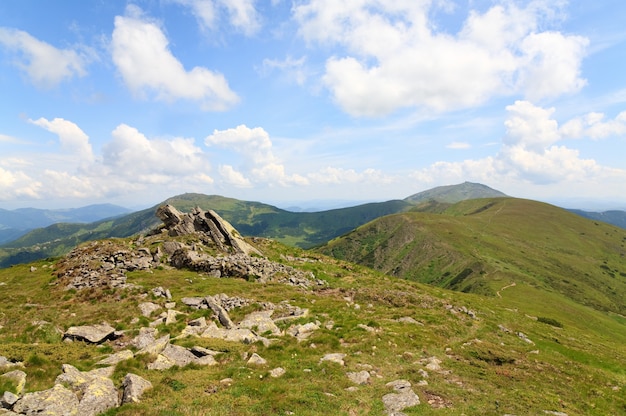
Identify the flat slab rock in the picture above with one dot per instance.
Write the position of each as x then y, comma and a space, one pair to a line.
94, 334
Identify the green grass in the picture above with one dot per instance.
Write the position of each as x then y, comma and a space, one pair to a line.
573, 369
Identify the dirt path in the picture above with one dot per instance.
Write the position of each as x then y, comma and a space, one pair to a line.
505, 287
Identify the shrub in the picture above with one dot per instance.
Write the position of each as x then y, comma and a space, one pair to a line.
549, 321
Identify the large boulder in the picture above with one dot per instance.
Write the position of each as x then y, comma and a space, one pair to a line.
57, 401
134, 387
95, 334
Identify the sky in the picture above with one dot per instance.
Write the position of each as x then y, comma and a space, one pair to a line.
283, 102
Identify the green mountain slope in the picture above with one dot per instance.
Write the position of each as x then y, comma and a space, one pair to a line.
303, 229
455, 193
529, 352
484, 245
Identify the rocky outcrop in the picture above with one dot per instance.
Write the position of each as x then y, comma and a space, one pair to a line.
103, 264
58, 400
134, 387
404, 397
206, 223
95, 334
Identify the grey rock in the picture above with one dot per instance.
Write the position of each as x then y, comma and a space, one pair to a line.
302, 331
94, 334
396, 402
117, 358
277, 372
17, 377
236, 335
360, 377
256, 359
98, 396
156, 347
193, 302
57, 401
146, 337
172, 355
8, 399
147, 308
203, 352
261, 322
133, 388
221, 313
334, 358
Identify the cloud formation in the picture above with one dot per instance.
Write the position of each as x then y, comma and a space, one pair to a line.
396, 58
241, 14
45, 65
142, 56
530, 152
259, 162
72, 138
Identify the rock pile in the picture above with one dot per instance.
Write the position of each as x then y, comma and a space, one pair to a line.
106, 263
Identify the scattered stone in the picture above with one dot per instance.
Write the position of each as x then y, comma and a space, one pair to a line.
156, 347
147, 308
55, 401
17, 377
117, 358
134, 387
170, 305
222, 314
409, 320
256, 359
235, 335
302, 332
95, 334
361, 377
8, 399
261, 322
524, 338
433, 364
5, 363
98, 396
366, 328
146, 337
277, 372
334, 358
405, 397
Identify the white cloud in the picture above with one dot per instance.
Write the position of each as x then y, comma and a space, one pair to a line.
17, 184
395, 57
529, 153
45, 65
255, 146
131, 154
241, 14
72, 138
593, 126
458, 145
143, 58
530, 126
294, 69
233, 177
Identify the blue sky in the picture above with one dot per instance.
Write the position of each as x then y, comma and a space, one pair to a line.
284, 101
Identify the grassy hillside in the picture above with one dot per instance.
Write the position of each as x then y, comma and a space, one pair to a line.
455, 193
483, 245
461, 352
302, 229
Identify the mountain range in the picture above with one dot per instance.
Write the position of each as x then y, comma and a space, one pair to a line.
492, 305
16, 223
301, 229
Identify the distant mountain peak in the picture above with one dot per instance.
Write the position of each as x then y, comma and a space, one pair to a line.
455, 193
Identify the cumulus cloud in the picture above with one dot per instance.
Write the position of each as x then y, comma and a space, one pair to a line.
45, 65
142, 56
396, 58
241, 14
234, 177
594, 126
17, 184
255, 147
72, 138
530, 151
131, 153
